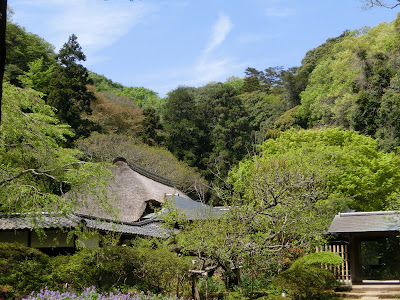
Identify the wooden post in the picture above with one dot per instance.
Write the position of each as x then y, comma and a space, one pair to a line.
355, 260
195, 288
398, 257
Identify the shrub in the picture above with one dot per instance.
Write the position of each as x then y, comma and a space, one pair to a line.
148, 265
158, 268
306, 278
105, 267
23, 270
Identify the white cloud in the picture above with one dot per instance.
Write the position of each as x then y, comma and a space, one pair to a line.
97, 24
279, 12
219, 33
209, 66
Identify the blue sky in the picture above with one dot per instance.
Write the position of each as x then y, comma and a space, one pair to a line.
161, 44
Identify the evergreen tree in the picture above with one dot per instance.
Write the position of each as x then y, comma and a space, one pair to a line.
181, 121
67, 91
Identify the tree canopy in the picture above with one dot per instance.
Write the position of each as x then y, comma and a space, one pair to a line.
357, 174
35, 171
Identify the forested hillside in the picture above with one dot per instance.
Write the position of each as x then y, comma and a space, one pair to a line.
350, 82
284, 149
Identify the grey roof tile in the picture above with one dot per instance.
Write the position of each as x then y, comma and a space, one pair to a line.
377, 221
47, 221
43, 220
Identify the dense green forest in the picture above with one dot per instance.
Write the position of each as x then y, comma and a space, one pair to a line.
297, 144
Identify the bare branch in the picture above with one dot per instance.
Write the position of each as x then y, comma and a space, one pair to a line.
372, 3
36, 172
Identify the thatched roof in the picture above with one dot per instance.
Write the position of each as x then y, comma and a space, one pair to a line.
128, 193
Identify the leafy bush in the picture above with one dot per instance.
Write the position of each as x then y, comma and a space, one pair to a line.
158, 268
148, 265
23, 270
306, 278
105, 267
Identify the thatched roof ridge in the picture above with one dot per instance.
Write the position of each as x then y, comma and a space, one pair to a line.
128, 193
144, 172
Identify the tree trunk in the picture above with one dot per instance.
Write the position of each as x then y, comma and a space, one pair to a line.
3, 23
195, 288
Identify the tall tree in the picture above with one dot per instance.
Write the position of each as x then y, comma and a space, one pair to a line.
272, 211
181, 120
68, 92
3, 22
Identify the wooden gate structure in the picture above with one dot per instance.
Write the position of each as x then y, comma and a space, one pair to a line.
342, 272
348, 230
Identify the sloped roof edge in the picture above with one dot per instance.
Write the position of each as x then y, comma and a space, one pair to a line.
359, 222
19, 221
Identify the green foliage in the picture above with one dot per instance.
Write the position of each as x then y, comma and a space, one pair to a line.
207, 127
148, 264
152, 127
180, 116
139, 96
35, 170
23, 270
142, 96
319, 258
23, 48
352, 83
276, 206
264, 109
67, 91
103, 84
38, 77
357, 174
106, 268
305, 282
158, 268
307, 278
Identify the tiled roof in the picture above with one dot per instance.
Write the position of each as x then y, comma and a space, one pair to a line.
376, 221
47, 221
144, 228
194, 210
44, 220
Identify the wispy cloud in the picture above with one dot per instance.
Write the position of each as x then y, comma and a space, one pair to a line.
97, 24
210, 66
279, 12
219, 33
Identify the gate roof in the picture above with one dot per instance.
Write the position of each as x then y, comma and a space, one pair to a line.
374, 221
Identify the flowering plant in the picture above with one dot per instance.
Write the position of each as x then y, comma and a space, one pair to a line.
92, 294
